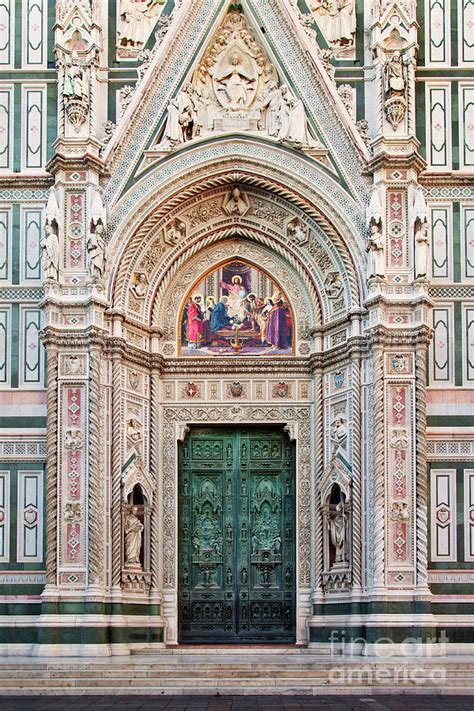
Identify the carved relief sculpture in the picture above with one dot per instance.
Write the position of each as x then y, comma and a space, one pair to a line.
235, 88
135, 22
337, 21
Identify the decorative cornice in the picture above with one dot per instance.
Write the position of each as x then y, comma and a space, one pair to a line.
85, 162
401, 338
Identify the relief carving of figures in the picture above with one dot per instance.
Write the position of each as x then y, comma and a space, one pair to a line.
235, 88
336, 19
133, 537
339, 432
236, 203
175, 232
394, 89
136, 20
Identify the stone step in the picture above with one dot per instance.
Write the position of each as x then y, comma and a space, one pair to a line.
235, 674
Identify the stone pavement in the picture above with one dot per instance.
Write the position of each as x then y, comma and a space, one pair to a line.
237, 703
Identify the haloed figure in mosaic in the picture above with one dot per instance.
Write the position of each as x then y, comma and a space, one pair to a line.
245, 312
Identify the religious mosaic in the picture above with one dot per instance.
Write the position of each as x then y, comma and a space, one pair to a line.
237, 310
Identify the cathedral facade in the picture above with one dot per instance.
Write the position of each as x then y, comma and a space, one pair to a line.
236, 324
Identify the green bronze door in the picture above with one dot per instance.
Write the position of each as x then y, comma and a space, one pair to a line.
236, 536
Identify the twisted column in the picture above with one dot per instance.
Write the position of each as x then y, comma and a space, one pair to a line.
318, 471
52, 466
116, 470
95, 474
155, 472
421, 470
378, 473
356, 474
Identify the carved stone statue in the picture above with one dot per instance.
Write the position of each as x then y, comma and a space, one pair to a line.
136, 20
96, 251
180, 118
50, 253
235, 80
336, 20
75, 79
376, 252
338, 532
394, 87
422, 247
133, 537
394, 75
293, 121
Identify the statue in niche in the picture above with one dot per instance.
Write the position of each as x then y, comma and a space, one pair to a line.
338, 531
375, 253
394, 89
394, 76
133, 537
336, 19
50, 252
75, 79
338, 432
375, 242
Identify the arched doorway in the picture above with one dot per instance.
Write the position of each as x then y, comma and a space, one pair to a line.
236, 549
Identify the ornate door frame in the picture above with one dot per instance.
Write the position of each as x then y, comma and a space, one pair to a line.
176, 421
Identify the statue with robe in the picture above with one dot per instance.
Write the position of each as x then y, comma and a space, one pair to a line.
422, 246
133, 537
376, 252
338, 533
96, 251
50, 252
235, 81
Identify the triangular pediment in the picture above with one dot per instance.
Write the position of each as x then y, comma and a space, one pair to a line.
236, 77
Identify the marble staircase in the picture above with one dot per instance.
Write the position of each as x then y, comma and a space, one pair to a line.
231, 671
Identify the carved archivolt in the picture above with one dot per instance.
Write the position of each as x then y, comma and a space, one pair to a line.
260, 218
326, 210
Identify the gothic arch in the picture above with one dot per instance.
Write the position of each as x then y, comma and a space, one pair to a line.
314, 197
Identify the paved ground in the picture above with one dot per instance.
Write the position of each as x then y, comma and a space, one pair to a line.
236, 703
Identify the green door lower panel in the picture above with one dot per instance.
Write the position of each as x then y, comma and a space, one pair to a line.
236, 536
